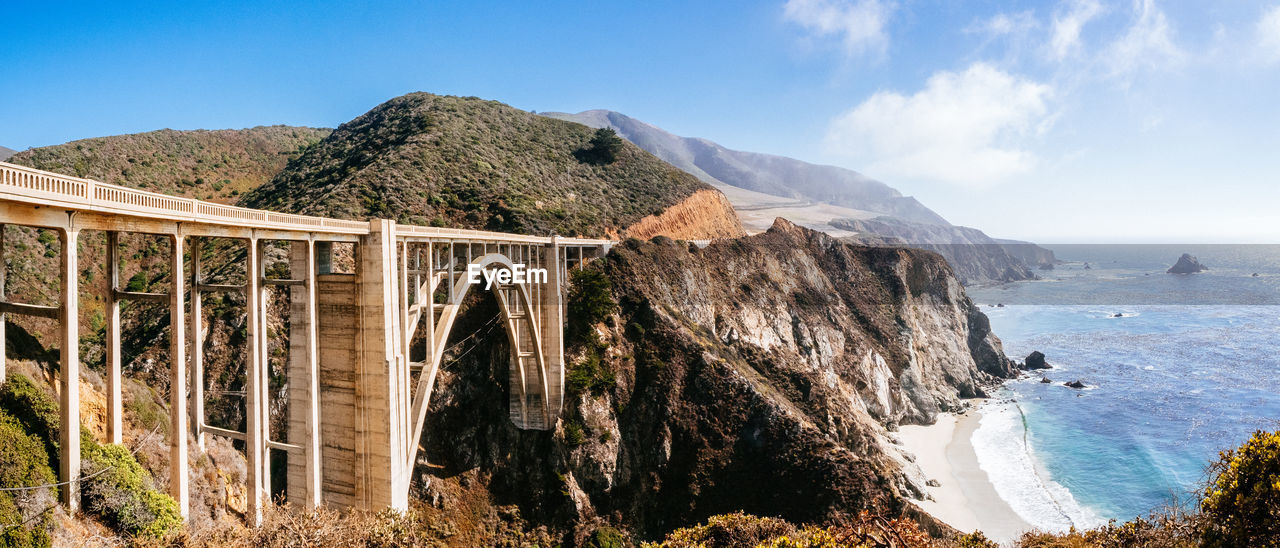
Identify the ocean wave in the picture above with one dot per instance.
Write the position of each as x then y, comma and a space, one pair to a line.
1000, 443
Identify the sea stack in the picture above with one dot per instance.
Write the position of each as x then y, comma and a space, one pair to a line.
1187, 264
1035, 360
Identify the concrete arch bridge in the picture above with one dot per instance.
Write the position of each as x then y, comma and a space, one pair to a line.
356, 403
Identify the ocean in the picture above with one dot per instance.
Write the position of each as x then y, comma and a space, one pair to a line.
1178, 368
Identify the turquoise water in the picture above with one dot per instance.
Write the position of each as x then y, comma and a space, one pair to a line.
1171, 384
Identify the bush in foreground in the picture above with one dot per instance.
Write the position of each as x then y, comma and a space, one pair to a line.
1241, 504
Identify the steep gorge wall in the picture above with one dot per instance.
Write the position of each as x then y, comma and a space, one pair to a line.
704, 215
762, 374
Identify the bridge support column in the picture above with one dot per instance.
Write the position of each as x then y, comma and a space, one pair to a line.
69, 316
551, 324
115, 398
178, 481
3, 318
382, 388
304, 479
255, 430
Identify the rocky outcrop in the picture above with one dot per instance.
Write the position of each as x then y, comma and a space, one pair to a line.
761, 374
1035, 360
1187, 264
704, 215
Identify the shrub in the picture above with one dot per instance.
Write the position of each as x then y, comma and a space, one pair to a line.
590, 302
121, 492
36, 413
24, 462
1241, 504
606, 537
573, 434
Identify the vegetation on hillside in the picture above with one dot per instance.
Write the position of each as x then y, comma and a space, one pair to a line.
465, 162
115, 488
215, 165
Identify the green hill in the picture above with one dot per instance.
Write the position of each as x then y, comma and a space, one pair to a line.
216, 165
467, 162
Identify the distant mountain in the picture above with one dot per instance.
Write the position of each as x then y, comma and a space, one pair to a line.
766, 173
838, 201
467, 162
5, 153
217, 165
974, 256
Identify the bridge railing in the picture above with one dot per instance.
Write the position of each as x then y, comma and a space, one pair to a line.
28, 185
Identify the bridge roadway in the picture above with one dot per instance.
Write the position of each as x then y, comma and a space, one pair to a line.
356, 401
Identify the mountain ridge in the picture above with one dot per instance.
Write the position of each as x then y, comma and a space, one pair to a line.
760, 172
466, 162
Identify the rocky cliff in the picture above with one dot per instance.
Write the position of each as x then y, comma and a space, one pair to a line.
761, 374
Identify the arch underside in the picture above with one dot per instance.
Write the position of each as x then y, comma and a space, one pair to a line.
532, 403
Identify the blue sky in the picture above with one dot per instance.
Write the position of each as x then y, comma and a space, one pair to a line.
1065, 121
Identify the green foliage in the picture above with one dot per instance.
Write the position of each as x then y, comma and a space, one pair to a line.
574, 434
469, 163
34, 411
590, 302
1242, 501
606, 537
24, 462
604, 147
590, 374
179, 162
138, 283
121, 492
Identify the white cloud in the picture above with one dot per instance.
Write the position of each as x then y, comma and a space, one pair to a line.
1148, 43
860, 24
1067, 23
966, 128
1002, 24
1268, 34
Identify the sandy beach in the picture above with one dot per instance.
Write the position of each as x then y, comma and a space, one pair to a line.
964, 498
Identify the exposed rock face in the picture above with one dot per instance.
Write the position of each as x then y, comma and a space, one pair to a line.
758, 374
1035, 360
1187, 264
705, 215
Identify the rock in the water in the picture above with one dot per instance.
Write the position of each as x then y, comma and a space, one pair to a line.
1118, 315
1074, 384
1035, 360
1087, 267
1187, 264
1255, 274
1045, 380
